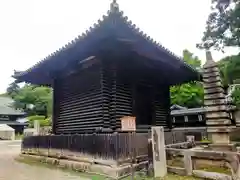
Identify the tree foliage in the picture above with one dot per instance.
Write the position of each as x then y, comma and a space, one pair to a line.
230, 74
223, 25
236, 97
43, 121
13, 89
38, 96
189, 94
230, 69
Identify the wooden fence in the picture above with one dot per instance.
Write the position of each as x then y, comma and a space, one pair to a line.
108, 146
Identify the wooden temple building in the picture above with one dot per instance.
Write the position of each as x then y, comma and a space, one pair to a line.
110, 71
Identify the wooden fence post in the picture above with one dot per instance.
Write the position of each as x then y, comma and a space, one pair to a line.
188, 163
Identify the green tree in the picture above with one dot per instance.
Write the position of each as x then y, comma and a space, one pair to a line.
189, 94
236, 97
230, 74
13, 89
223, 25
229, 69
191, 59
40, 97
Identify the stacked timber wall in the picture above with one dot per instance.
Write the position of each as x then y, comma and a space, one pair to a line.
100, 95
79, 102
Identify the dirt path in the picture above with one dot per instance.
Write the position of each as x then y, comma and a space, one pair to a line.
12, 170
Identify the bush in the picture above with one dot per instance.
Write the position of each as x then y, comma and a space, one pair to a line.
43, 122
32, 118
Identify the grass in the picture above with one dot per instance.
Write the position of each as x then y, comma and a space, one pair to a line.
18, 136
33, 162
177, 162
222, 170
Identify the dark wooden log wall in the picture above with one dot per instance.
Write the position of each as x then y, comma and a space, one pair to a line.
162, 106
116, 94
124, 100
107, 87
80, 102
99, 96
123, 90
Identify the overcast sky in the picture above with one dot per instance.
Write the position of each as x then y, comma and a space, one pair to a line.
32, 29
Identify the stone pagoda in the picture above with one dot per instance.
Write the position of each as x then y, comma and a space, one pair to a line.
217, 117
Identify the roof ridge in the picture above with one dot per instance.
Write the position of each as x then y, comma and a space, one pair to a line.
114, 9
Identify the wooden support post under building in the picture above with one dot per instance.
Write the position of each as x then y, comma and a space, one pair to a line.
159, 153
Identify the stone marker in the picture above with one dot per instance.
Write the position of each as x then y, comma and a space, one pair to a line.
190, 138
187, 159
36, 127
159, 153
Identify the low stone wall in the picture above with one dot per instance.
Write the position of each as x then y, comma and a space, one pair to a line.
85, 163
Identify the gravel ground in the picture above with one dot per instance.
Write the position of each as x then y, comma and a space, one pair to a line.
13, 170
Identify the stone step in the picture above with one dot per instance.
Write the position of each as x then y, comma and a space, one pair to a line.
209, 102
214, 90
218, 122
223, 129
216, 115
216, 108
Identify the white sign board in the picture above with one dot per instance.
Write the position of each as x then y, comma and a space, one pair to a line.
128, 123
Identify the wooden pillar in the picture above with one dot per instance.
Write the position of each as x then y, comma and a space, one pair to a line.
168, 103
106, 92
55, 107
113, 104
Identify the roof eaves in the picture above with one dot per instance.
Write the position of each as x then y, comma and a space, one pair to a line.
155, 43
91, 30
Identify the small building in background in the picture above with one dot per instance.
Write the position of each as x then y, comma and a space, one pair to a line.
192, 117
9, 115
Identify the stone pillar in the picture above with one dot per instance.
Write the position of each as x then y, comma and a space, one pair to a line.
36, 127
190, 139
218, 121
159, 153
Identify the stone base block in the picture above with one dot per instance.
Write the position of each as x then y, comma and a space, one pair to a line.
220, 129
111, 171
219, 121
222, 147
220, 138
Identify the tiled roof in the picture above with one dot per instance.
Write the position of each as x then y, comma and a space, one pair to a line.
6, 107
188, 111
114, 11
13, 123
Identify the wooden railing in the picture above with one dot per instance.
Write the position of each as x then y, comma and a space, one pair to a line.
186, 160
117, 146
